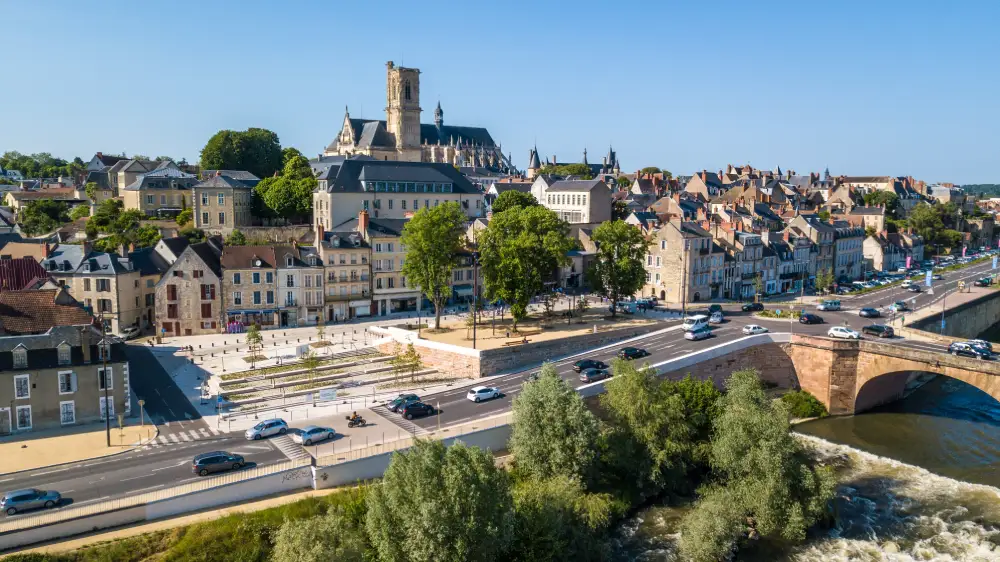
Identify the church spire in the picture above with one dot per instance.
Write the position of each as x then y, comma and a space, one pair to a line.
585, 157
438, 116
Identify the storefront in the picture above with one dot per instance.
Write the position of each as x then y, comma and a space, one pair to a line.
264, 318
360, 308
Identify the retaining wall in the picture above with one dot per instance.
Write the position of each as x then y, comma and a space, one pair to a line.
966, 320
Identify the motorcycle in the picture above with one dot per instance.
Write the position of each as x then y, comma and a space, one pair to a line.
356, 422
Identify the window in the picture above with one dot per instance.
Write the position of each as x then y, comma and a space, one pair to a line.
378, 247
222, 218
150, 299
236, 278
171, 292
204, 199
389, 247
269, 277
105, 376
270, 297
390, 204
150, 283
108, 407
150, 199
222, 199
67, 412
402, 204
649, 277
237, 298
392, 282
208, 292
204, 219
256, 297
22, 388
20, 357
416, 204
103, 285
319, 279
308, 280
64, 354
427, 203
206, 310
378, 283
256, 277
289, 299
24, 417
458, 275
649, 261
172, 310
163, 200
86, 284
663, 244
289, 280
658, 261
67, 382
197, 274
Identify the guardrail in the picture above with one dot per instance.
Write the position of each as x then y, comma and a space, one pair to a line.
70, 512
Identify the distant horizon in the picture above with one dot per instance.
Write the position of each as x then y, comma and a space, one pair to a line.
886, 89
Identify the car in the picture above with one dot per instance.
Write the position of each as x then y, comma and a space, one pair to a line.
828, 304
130, 333
913, 288
810, 319
480, 393
754, 329
984, 282
898, 306
869, 313
216, 461
981, 343
966, 350
629, 353
878, 330
752, 307
907, 282
591, 375
713, 308
715, 318
418, 410
699, 334
398, 402
843, 332
313, 434
267, 428
24, 500
937, 277
584, 364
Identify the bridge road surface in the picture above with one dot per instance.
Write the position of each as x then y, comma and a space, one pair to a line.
168, 464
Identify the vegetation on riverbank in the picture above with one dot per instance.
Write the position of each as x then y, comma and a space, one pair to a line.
801, 405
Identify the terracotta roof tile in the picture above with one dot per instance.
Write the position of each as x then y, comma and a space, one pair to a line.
31, 312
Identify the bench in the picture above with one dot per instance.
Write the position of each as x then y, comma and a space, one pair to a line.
516, 342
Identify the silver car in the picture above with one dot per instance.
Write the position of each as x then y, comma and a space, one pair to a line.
313, 434
23, 500
267, 428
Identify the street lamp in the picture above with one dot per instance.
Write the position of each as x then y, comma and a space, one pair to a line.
104, 360
475, 294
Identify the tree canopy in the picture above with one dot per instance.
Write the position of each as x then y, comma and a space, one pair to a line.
935, 223
513, 198
236, 238
288, 195
887, 199
41, 165
42, 215
123, 228
433, 239
618, 269
79, 212
581, 171
257, 151
521, 249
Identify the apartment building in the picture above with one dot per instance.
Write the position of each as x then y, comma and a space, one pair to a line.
346, 260
822, 236
223, 201
162, 193
51, 364
848, 252
189, 296
683, 264
575, 201
249, 285
794, 260
300, 285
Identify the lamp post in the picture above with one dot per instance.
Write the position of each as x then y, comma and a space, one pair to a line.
102, 349
475, 294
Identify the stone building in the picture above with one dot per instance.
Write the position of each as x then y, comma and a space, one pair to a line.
189, 297
575, 201
249, 285
300, 285
822, 236
345, 255
162, 193
683, 265
223, 201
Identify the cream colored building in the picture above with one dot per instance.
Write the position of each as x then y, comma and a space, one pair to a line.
223, 201
162, 193
345, 256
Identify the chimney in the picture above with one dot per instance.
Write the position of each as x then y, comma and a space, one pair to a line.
85, 343
319, 236
786, 235
86, 247
363, 223
100, 154
46, 250
704, 175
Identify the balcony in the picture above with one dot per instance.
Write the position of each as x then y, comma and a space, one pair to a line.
342, 298
746, 276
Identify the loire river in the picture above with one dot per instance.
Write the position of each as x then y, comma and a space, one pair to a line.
919, 480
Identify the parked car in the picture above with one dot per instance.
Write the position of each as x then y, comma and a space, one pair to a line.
402, 400
753, 307
810, 319
699, 334
843, 332
713, 308
630, 353
417, 410
592, 375
267, 428
584, 364
754, 329
869, 313
984, 282
716, 318
24, 500
913, 288
878, 330
966, 350
480, 393
313, 434
130, 333
216, 461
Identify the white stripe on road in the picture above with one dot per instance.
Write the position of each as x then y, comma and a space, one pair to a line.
194, 434
182, 463
91, 501
174, 438
144, 489
184, 436
51, 471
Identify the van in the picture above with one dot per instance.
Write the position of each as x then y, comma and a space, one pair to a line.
829, 305
626, 307
696, 322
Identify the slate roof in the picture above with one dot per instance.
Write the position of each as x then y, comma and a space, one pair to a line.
176, 245
344, 235
99, 178
384, 227
43, 348
217, 182
238, 175
109, 160
242, 257
32, 312
69, 259
352, 172
574, 185
148, 262
151, 181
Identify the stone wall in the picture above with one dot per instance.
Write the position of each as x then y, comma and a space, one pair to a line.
966, 320
772, 360
277, 234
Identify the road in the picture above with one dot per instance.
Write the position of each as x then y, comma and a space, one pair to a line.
184, 434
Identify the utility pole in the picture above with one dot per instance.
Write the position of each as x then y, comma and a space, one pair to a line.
684, 280
475, 294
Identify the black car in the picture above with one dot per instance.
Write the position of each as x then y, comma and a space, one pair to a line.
879, 331
913, 288
984, 282
417, 410
869, 313
216, 461
402, 400
753, 307
810, 319
632, 353
967, 350
713, 308
585, 364
591, 375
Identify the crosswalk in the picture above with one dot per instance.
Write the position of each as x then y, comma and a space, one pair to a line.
289, 448
406, 425
182, 436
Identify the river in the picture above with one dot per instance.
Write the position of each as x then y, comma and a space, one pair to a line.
919, 480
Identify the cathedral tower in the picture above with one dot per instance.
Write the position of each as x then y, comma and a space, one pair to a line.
402, 110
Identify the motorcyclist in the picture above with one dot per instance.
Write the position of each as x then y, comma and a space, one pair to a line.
355, 416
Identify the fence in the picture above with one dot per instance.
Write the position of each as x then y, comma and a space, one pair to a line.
70, 512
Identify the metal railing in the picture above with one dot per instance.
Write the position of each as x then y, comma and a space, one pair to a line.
70, 512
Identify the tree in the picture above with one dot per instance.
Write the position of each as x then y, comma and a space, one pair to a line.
397, 361
412, 360
650, 170
765, 481
870, 231
236, 238
330, 536
91, 190
438, 504
288, 195
623, 182
824, 280
433, 239
557, 520
42, 215
289, 153
582, 306
553, 432
184, 217
194, 235
758, 285
257, 151
949, 238
926, 221
886, 199
320, 329
619, 210
521, 249
513, 198
823, 215
255, 342
79, 212
618, 269
581, 171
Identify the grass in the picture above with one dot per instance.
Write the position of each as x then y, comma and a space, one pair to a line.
278, 369
240, 536
784, 313
254, 358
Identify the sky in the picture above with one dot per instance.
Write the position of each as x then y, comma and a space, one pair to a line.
864, 88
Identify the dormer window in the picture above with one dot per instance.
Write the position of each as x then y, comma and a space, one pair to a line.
20, 357
288, 261
86, 267
104, 351
64, 354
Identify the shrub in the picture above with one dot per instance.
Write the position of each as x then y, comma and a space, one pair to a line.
801, 404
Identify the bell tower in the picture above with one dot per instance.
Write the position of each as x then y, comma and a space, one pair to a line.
402, 110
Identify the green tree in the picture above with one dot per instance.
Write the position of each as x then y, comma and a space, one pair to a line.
926, 221
580, 171
949, 238
582, 306
414, 362
91, 190
255, 342
257, 151
618, 269
236, 238
870, 231
433, 239
758, 285
521, 249
824, 280
553, 432
623, 182
650, 170
557, 520
42, 215
79, 212
288, 154
438, 504
145, 236
512, 198
823, 215
887, 199
184, 217
321, 538
194, 235
619, 210
288, 195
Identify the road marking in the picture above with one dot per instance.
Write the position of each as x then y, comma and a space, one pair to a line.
184, 436
173, 437
144, 489
91, 501
6, 480
68, 491
204, 433
53, 471
182, 463
193, 433
134, 478
186, 480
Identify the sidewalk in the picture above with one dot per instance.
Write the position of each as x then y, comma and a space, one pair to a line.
26, 451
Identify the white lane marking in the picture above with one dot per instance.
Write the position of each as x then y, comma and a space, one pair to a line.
144, 489
205, 433
91, 501
182, 463
52, 471
184, 436
194, 434
67, 491
162, 439
134, 478
186, 480
174, 438
6, 480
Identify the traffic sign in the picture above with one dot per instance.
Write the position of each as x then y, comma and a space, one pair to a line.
928, 278
994, 262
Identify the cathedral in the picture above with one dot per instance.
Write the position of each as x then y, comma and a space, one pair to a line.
403, 137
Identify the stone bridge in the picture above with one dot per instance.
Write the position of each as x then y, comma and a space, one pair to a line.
852, 376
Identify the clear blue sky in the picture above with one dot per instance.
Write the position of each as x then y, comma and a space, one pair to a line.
862, 87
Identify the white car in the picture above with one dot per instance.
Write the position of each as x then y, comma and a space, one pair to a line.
480, 393
842, 332
130, 333
313, 434
753, 330
267, 428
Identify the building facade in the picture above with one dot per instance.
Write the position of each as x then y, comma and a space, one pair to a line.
574, 201
300, 285
222, 203
682, 265
249, 286
162, 193
346, 261
189, 297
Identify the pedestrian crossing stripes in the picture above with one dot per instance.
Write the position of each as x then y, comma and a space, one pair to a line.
182, 436
289, 448
406, 425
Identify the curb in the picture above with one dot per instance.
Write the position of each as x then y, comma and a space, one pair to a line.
131, 449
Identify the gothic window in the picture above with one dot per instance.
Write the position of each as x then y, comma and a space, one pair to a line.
407, 90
